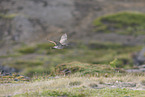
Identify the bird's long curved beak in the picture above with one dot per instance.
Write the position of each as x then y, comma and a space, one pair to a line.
51, 41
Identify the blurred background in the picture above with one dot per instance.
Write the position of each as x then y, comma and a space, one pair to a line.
99, 32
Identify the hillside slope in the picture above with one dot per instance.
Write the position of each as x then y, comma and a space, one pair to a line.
32, 20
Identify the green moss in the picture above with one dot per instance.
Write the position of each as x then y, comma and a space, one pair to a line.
8, 16
127, 23
114, 63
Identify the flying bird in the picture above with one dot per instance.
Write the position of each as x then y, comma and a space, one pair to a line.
62, 43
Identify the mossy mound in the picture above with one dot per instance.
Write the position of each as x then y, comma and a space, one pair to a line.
83, 68
127, 23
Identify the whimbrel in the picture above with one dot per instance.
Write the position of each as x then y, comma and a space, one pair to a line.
62, 43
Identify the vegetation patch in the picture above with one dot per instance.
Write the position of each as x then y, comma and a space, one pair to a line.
12, 78
82, 68
29, 63
37, 71
45, 46
8, 16
127, 23
82, 92
93, 85
20, 65
75, 83
107, 45
10, 55
27, 50
143, 82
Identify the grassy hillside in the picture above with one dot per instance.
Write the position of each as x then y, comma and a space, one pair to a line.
42, 58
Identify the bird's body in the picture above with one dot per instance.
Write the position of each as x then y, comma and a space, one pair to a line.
59, 46
62, 43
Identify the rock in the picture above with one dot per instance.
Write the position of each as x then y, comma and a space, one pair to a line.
128, 84
6, 69
142, 66
16, 79
139, 58
133, 70
142, 69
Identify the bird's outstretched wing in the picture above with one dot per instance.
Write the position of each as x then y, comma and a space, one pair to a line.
52, 42
63, 39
